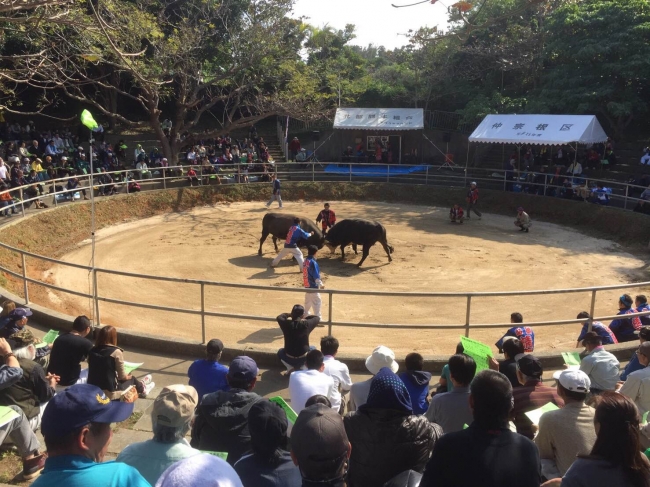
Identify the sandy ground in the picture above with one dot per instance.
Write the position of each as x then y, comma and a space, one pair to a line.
431, 255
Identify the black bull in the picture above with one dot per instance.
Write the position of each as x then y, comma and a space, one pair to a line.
358, 232
278, 224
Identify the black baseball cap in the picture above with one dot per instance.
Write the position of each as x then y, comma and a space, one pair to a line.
214, 347
643, 332
268, 425
530, 365
79, 405
243, 368
318, 439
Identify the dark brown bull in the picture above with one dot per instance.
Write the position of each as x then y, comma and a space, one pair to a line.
278, 224
357, 232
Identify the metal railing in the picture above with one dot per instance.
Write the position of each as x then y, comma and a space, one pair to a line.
165, 176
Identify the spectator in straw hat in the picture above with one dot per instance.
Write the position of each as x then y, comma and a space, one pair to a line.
568, 432
381, 357
171, 415
601, 366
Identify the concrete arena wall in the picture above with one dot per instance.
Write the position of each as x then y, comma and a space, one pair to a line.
54, 232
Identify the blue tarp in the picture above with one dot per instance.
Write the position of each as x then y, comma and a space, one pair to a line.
371, 170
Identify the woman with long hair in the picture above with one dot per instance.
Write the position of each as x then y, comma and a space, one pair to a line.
616, 457
106, 367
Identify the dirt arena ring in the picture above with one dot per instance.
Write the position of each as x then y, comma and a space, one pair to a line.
220, 243
213, 234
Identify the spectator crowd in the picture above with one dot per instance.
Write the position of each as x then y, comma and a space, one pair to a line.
31, 158
476, 426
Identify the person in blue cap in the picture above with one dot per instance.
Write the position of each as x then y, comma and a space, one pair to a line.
623, 328
77, 430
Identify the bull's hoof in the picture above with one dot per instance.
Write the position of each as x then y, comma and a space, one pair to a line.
259, 253
358, 265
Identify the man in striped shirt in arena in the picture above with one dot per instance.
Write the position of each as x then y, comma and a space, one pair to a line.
603, 331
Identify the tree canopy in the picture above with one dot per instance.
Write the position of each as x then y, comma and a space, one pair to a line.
223, 64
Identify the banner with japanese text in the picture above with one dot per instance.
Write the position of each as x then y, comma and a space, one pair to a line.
539, 129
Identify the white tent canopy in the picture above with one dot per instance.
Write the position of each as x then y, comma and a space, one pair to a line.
539, 129
379, 118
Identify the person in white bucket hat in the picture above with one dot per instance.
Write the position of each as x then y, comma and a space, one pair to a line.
381, 357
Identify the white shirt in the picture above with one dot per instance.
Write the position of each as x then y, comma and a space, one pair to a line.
359, 394
340, 374
637, 388
304, 384
602, 368
3, 172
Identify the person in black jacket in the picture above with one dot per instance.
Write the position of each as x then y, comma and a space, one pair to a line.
508, 367
296, 328
487, 453
221, 422
386, 437
69, 350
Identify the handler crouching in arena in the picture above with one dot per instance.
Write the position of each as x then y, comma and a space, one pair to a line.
456, 214
523, 220
296, 328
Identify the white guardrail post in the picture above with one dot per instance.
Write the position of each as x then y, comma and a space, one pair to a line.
467, 314
592, 309
202, 312
98, 319
329, 313
25, 288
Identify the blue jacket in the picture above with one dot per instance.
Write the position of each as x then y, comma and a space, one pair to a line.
417, 383
632, 366
207, 376
294, 235
603, 332
310, 272
623, 327
276, 186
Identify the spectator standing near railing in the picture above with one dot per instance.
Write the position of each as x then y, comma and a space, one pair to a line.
277, 190
294, 148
